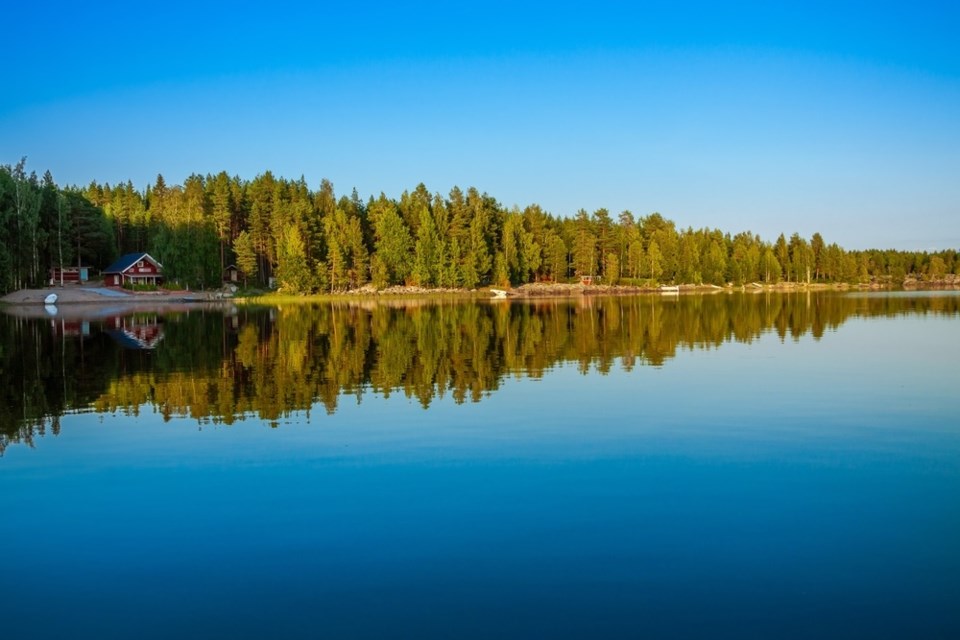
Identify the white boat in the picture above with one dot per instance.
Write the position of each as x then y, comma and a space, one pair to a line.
669, 289
498, 293
50, 299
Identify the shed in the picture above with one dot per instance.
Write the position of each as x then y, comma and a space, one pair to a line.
231, 274
69, 274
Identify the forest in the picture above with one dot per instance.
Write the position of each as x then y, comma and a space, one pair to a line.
282, 232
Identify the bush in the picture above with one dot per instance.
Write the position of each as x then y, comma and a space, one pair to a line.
139, 287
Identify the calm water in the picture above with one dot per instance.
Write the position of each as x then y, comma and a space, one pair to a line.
720, 466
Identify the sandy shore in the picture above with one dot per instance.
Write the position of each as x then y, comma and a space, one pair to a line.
74, 294
92, 303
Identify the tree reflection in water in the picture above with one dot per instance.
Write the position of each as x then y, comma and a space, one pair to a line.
220, 365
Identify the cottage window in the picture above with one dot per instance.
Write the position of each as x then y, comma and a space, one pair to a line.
140, 264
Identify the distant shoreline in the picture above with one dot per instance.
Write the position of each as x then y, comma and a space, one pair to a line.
565, 290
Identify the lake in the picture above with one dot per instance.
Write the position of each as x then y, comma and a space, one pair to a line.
732, 465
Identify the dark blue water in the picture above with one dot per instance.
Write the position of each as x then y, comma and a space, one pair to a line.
778, 488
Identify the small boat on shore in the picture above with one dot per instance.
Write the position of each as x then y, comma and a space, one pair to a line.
498, 294
50, 299
669, 289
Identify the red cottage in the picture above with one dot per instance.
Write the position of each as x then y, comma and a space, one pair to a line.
133, 268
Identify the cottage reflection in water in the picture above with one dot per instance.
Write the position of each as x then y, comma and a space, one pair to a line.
135, 331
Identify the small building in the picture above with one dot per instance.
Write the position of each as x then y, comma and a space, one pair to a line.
231, 274
588, 280
133, 268
69, 275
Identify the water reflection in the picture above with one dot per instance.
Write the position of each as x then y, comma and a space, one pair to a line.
220, 364
136, 331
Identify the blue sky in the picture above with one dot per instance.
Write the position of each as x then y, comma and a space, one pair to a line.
841, 118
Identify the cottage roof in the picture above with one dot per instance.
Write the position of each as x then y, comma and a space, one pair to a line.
125, 262
130, 340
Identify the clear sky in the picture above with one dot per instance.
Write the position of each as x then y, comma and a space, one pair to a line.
837, 117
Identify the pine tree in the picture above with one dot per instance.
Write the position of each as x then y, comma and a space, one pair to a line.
246, 256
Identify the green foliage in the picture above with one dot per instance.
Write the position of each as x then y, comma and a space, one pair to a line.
308, 240
293, 273
937, 268
501, 272
427, 248
130, 286
611, 268
246, 255
347, 256
584, 248
772, 271
606, 238
43, 226
782, 253
714, 263
556, 257
655, 262
477, 257
393, 244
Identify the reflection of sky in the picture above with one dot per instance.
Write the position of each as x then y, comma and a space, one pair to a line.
810, 480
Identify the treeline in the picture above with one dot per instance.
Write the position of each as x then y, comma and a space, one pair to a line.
42, 226
313, 241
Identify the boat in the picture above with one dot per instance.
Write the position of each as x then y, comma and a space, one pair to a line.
50, 299
498, 293
669, 289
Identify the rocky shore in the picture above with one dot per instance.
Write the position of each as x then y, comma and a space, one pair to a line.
94, 294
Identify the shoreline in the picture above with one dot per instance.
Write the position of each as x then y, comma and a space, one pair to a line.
86, 295
93, 295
